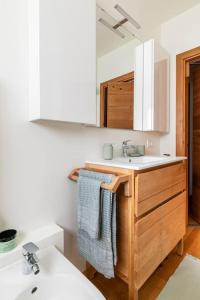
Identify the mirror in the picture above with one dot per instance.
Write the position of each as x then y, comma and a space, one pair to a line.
116, 41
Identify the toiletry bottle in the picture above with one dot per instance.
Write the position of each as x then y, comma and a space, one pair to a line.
108, 151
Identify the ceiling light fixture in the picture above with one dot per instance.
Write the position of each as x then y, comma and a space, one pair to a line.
105, 23
127, 16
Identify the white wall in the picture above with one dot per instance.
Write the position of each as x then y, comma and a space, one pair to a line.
178, 35
117, 62
35, 158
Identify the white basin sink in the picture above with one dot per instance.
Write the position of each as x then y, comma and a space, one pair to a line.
138, 163
60, 287
58, 280
142, 159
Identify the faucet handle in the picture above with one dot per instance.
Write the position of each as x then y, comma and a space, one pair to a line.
125, 143
35, 258
30, 248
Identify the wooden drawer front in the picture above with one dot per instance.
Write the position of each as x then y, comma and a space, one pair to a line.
154, 187
157, 234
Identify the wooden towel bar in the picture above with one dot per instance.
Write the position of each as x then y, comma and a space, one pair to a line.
125, 179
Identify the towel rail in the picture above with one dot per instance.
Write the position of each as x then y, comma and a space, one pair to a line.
119, 179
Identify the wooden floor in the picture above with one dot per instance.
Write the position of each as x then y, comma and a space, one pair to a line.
117, 290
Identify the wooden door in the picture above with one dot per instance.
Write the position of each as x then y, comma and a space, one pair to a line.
195, 86
120, 105
117, 100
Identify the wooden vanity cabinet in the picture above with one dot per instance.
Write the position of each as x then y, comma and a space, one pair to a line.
150, 223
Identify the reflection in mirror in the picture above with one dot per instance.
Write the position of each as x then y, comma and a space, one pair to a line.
116, 42
116, 102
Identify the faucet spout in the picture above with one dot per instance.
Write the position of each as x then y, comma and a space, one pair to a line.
125, 147
36, 269
31, 260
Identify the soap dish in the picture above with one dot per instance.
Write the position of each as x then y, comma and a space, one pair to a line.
8, 240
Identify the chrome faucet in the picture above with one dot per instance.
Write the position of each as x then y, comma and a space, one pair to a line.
30, 264
125, 147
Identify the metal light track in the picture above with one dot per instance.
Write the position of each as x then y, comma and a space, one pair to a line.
116, 31
127, 16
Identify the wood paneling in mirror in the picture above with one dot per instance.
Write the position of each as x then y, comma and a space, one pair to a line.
116, 102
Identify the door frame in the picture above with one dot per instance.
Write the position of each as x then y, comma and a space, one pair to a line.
182, 105
182, 73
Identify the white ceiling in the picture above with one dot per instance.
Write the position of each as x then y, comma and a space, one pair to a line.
148, 13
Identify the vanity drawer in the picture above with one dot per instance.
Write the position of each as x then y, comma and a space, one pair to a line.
157, 234
154, 187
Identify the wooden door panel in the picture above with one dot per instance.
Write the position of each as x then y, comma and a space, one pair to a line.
195, 78
120, 105
117, 102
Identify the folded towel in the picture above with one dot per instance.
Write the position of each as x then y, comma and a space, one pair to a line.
100, 252
89, 209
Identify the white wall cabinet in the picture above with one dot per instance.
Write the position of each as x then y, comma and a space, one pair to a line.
62, 60
151, 99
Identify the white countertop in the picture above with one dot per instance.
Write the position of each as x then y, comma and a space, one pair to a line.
138, 163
